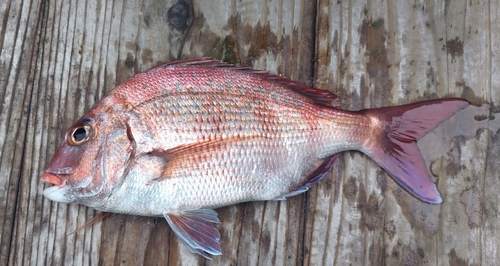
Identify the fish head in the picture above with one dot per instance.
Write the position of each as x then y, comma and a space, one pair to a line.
92, 160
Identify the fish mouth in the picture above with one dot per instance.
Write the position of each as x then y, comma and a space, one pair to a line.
57, 193
54, 179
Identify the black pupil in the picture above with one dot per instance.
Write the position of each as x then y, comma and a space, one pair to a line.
79, 134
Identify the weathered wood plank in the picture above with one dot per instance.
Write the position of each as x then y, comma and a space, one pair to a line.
18, 43
432, 49
468, 157
58, 58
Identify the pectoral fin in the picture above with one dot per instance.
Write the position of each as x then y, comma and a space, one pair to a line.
190, 155
198, 230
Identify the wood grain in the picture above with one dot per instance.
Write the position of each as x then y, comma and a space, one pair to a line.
58, 58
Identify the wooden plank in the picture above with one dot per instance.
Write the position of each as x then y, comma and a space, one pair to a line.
18, 42
472, 151
432, 50
489, 228
58, 58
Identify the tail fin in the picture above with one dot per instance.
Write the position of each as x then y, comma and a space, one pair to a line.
395, 148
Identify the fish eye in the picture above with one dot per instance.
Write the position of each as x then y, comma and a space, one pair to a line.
80, 134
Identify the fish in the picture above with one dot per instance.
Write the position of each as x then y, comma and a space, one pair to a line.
184, 138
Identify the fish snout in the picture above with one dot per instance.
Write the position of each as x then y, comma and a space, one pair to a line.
53, 179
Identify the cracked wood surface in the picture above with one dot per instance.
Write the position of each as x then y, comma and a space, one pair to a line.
58, 58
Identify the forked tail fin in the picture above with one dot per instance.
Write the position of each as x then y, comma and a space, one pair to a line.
394, 147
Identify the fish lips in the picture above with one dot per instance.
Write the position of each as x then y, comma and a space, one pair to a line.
53, 179
62, 191
59, 192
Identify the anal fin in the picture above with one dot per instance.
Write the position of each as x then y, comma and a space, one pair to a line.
198, 230
312, 178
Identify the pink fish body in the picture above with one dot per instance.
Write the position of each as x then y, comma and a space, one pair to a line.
190, 136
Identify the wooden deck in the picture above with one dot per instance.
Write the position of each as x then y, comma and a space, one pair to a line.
58, 58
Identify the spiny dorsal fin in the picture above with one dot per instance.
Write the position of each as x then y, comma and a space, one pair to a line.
322, 97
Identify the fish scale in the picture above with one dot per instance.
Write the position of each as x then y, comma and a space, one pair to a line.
184, 138
179, 121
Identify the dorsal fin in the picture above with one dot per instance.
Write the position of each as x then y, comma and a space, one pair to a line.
322, 97
199, 61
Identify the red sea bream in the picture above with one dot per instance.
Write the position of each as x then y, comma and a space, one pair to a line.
190, 136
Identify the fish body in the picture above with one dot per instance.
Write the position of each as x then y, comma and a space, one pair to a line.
187, 137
